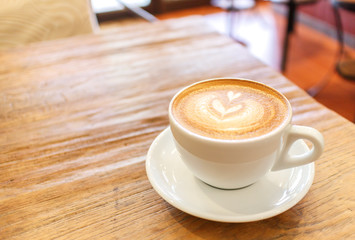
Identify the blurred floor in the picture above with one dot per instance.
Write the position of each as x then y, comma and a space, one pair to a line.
311, 54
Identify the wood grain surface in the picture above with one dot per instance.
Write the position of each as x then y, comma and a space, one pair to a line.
77, 117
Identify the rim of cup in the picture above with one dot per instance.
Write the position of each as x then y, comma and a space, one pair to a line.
275, 131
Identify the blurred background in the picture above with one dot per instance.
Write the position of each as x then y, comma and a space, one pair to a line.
312, 42
313, 45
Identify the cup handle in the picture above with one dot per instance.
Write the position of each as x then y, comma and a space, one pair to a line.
286, 160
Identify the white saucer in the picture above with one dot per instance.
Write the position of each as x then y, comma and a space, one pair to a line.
270, 196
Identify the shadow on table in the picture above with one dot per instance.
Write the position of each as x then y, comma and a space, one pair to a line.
275, 227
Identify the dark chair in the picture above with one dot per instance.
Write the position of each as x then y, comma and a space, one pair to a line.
237, 5
291, 19
345, 67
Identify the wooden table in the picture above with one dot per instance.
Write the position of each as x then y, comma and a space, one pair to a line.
77, 119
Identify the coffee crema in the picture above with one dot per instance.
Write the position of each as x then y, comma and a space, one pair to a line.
230, 109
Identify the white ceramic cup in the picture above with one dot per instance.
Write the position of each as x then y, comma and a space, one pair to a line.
231, 164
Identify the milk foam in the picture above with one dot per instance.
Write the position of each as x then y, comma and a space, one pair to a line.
230, 109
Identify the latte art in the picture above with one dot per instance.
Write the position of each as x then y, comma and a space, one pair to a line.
229, 109
226, 107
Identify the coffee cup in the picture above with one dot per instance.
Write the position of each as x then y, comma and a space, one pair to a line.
231, 132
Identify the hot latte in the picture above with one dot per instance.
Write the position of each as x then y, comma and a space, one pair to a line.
230, 109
